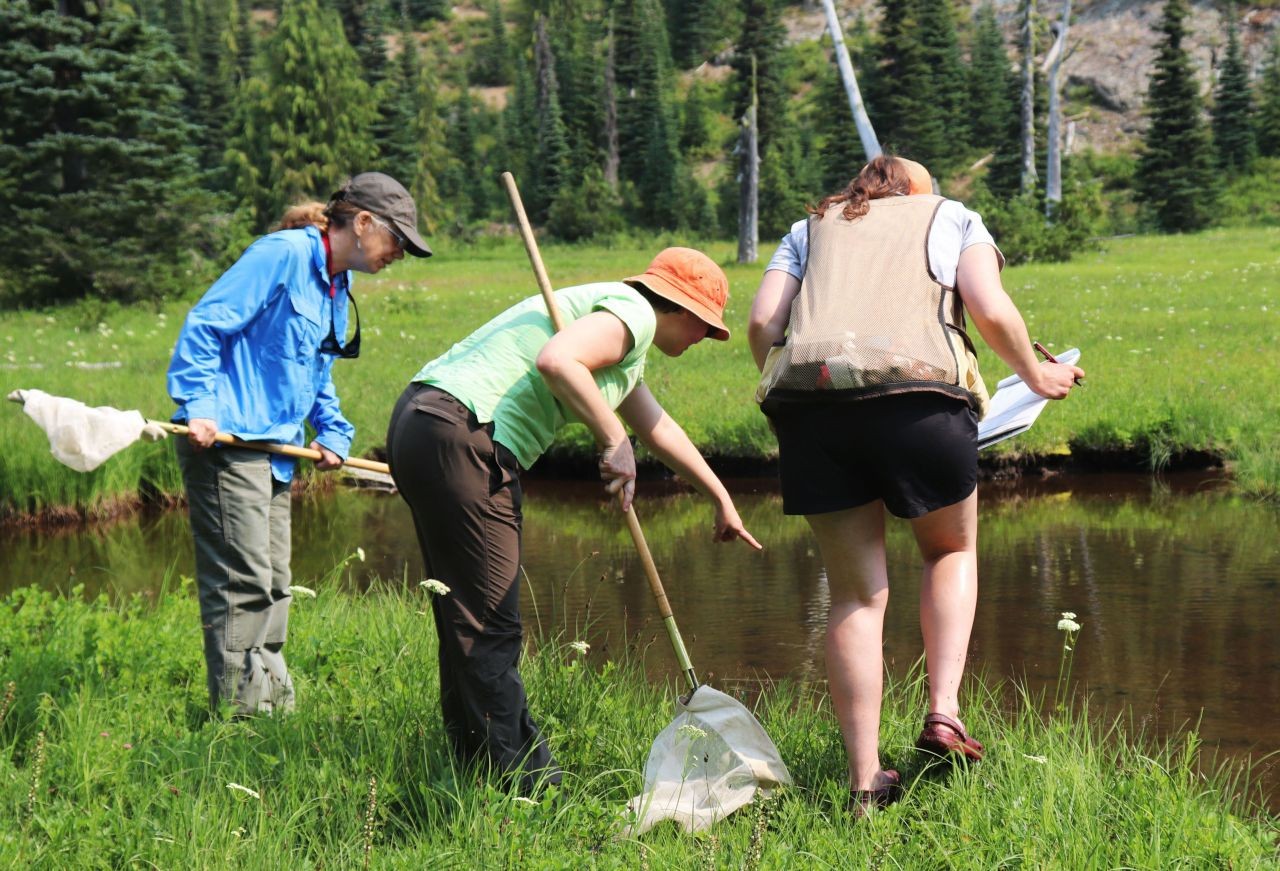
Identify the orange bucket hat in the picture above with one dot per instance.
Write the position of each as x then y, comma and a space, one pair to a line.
691, 280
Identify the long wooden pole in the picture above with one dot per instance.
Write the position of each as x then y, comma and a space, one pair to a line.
633, 522
223, 438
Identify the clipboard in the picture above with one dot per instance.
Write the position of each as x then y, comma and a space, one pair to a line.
1014, 408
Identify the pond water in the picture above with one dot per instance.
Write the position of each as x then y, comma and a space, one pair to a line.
1175, 582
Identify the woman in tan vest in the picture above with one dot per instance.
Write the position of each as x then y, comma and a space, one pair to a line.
874, 395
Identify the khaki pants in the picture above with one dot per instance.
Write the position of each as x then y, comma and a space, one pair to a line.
240, 523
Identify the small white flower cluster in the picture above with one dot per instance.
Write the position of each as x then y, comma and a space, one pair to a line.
431, 585
690, 731
252, 793
298, 590
1068, 622
580, 647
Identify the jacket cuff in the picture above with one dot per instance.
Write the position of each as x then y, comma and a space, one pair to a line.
202, 408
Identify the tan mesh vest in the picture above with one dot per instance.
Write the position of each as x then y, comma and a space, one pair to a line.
870, 318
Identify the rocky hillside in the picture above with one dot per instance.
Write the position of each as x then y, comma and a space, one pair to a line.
1112, 45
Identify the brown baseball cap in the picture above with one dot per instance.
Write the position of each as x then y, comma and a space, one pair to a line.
381, 194
691, 280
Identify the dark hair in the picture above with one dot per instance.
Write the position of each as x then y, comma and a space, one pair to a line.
340, 212
882, 177
659, 303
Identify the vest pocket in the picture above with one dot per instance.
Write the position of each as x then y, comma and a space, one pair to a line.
967, 373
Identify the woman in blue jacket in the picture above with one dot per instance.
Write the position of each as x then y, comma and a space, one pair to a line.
254, 359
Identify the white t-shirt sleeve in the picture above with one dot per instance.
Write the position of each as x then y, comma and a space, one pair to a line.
954, 229
793, 250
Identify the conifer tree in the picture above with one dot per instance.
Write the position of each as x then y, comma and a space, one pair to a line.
1176, 181
948, 86
519, 121
303, 125
433, 156
841, 155
695, 29
491, 58
1233, 135
365, 24
992, 83
467, 183
576, 35
96, 181
695, 122
1268, 119
550, 169
763, 38
650, 158
908, 117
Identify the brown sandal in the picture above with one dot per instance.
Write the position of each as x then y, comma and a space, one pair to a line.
862, 801
943, 736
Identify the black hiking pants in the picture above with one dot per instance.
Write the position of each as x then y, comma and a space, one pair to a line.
464, 492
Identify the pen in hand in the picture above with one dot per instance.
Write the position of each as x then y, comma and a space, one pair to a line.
1049, 357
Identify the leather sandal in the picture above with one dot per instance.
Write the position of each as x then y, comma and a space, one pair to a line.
863, 801
943, 736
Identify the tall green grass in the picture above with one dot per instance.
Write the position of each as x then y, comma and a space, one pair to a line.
108, 760
1178, 335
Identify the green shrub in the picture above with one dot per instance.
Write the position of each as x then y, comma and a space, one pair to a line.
1253, 199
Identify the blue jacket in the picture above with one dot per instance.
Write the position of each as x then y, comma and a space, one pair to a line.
248, 354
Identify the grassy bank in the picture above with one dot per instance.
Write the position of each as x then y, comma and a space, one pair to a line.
107, 760
1177, 333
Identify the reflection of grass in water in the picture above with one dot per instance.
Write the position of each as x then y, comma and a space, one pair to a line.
1173, 339
131, 770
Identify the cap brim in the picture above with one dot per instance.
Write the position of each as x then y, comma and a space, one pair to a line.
668, 291
413, 241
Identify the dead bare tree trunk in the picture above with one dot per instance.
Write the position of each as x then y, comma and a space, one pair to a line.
1028, 97
870, 144
1053, 64
612, 155
749, 189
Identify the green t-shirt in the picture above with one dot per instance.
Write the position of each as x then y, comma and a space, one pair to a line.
492, 371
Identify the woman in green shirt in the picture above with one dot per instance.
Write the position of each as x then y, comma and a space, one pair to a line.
473, 418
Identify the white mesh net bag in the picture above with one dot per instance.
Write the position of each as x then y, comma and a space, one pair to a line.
82, 437
706, 764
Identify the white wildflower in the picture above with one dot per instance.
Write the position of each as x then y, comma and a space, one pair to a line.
302, 591
252, 793
688, 730
1043, 760
360, 553
580, 646
433, 586
524, 799
1068, 615
1065, 625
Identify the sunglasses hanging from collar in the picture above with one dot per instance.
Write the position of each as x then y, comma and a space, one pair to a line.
330, 344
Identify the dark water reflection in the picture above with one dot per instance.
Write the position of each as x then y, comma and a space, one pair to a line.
1175, 584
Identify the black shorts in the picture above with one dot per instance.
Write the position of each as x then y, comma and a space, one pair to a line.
916, 451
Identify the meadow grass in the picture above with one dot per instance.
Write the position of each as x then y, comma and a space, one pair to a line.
109, 760
1177, 334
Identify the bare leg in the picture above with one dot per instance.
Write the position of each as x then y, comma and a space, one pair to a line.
852, 545
948, 540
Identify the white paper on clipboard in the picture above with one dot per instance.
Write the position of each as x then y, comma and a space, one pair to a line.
1014, 407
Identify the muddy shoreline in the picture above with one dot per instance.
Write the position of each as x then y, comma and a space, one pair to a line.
555, 466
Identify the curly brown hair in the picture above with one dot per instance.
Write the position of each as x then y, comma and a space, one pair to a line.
885, 176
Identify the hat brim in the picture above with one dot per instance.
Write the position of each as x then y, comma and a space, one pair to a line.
668, 291
413, 241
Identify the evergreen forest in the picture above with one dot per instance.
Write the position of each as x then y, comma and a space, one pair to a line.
143, 144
